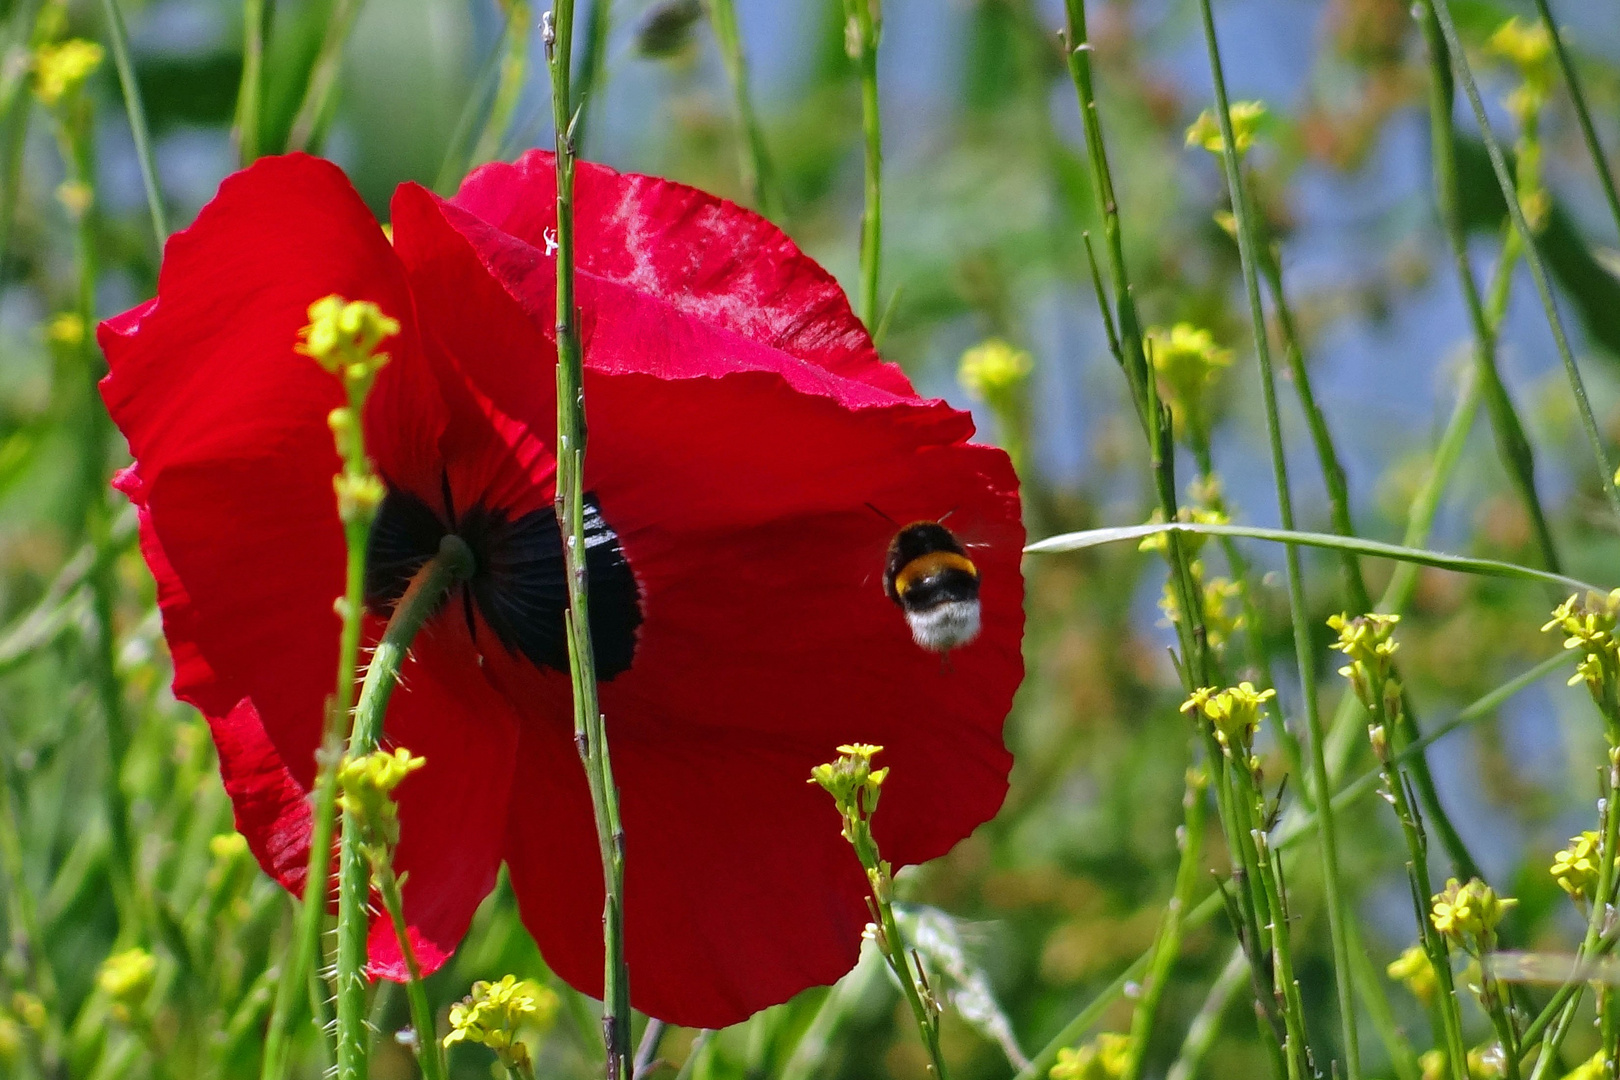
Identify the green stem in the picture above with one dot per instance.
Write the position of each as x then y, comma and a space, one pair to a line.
1327, 455
1495, 1002
514, 73
1360, 599
592, 62
426, 592
1602, 900
1578, 97
1369, 978
754, 160
893, 948
250, 92
94, 516
1250, 803
315, 110
1168, 944
313, 907
1206, 1023
1384, 727
429, 1054
119, 37
1512, 443
458, 150
1196, 662
14, 118
590, 727
864, 30
1538, 270
1338, 913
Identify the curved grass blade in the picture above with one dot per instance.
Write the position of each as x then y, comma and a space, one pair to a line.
1462, 564
118, 36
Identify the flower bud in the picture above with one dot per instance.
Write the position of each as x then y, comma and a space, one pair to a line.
1413, 970
60, 71
127, 978
1248, 117
1469, 914
495, 1013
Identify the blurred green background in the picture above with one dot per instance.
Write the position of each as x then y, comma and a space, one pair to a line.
987, 196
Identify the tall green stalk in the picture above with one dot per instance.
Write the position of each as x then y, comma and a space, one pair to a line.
312, 910
514, 73
1338, 912
592, 63
250, 92
1577, 97
759, 177
452, 565
1538, 269
119, 38
315, 110
1167, 945
590, 727
1512, 443
863, 29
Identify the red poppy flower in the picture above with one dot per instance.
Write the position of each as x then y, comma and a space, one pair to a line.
742, 431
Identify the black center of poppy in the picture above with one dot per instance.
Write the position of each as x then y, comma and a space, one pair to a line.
519, 583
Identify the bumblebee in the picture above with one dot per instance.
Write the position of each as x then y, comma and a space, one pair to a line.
934, 582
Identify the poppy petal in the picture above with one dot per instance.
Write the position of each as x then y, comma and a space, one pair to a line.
705, 257
229, 426
734, 901
452, 810
271, 809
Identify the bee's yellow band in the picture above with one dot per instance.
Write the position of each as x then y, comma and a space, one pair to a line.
926, 566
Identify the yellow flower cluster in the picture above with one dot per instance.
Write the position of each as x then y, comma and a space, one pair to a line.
66, 330
343, 335
1576, 867
853, 783
368, 785
993, 370
1103, 1058
495, 1013
1235, 712
1482, 1065
1593, 1068
1222, 617
126, 978
1366, 639
1186, 359
1247, 119
1413, 970
1529, 48
60, 71
1469, 914
1588, 625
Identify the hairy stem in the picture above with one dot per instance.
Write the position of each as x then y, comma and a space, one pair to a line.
590, 727
452, 565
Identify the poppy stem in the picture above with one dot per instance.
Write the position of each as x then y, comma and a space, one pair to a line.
426, 592
590, 728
